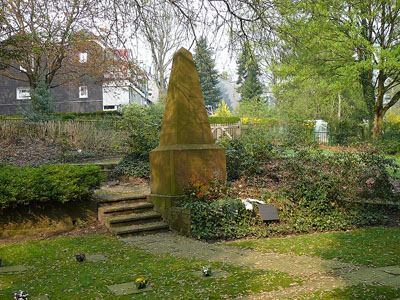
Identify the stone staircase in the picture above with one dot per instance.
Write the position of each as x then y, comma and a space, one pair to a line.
127, 215
106, 165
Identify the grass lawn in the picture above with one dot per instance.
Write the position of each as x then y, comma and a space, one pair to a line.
377, 246
55, 272
397, 161
364, 292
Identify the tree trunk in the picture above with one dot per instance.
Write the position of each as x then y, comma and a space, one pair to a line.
378, 124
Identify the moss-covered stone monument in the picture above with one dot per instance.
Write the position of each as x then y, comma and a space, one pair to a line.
186, 145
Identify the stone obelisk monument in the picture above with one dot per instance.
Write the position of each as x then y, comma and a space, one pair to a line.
186, 146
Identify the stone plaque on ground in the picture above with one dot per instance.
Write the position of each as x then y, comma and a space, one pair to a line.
41, 297
392, 281
13, 269
127, 288
394, 270
96, 258
268, 212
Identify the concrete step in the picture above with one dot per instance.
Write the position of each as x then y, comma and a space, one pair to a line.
126, 208
118, 199
153, 227
133, 219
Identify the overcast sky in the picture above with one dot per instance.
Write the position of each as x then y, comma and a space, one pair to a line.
225, 61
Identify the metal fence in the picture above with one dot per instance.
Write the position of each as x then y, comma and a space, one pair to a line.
323, 137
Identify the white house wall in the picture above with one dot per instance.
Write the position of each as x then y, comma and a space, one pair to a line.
115, 96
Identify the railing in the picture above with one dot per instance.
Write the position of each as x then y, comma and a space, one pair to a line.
229, 131
323, 137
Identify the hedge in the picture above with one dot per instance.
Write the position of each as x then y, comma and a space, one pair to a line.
52, 183
223, 120
93, 114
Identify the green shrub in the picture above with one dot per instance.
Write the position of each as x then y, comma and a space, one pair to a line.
389, 140
41, 105
347, 132
299, 218
134, 164
321, 181
333, 191
299, 135
143, 125
53, 183
213, 215
93, 114
246, 155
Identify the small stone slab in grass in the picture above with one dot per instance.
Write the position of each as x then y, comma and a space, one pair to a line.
394, 270
335, 265
127, 288
214, 274
392, 281
96, 258
41, 297
368, 275
13, 269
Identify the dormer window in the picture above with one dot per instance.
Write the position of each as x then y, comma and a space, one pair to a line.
83, 57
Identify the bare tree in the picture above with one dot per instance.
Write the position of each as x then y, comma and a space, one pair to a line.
50, 35
155, 23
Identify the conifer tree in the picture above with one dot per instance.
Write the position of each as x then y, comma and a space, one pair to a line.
208, 76
248, 75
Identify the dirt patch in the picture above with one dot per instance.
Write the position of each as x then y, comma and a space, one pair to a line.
87, 229
32, 153
133, 185
338, 148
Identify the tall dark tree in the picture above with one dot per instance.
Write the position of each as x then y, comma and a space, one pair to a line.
208, 76
248, 75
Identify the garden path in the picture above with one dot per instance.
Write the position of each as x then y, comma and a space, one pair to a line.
317, 274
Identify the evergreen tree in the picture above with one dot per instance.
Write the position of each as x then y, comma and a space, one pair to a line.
242, 63
208, 76
251, 87
41, 107
248, 75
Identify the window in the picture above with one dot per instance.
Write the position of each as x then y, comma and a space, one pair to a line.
23, 93
83, 92
83, 57
109, 107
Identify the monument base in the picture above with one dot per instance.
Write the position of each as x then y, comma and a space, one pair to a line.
172, 167
178, 217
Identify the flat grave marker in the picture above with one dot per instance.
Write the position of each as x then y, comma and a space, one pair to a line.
40, 297
13, 269
96, 258
127, 288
